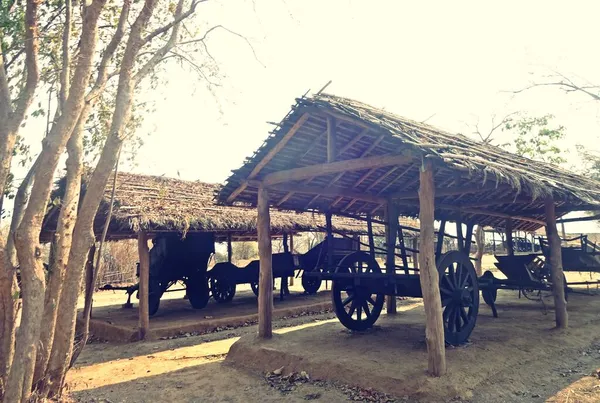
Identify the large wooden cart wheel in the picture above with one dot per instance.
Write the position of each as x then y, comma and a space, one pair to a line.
223, 289
311, 284
356, 306
197, 290
459, 291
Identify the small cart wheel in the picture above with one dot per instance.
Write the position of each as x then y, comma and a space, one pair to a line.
222, 289
197, 291
459, 291
311, 284
490, 293
356, 307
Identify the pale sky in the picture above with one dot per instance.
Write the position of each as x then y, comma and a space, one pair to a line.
456, 61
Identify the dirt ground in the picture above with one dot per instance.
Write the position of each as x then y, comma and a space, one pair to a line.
515, 358
110, 321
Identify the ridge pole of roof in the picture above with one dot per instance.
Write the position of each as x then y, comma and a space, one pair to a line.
556, 269
429, 276
143, 312
510, 248
265, 278
391, 231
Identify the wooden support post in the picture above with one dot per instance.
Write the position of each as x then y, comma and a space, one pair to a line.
460, 239
89, 278
265, 278
403, 250
556, 269
510, 249
229, 249
292, 251
415, 246
391, 230
331, 140
330, 249
370, 236
429, 276
440, 240
468, 239
144, 257
494, 241
286, 247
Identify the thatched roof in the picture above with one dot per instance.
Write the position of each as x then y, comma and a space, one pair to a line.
496, 183
158, 204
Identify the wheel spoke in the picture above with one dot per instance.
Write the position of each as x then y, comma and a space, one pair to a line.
348, 300
451, 322
359, 313
463, 283
451, 275
444, 290
446, 301
352, 308
463, 315
371, 300
447, 278
457, 319
366, 309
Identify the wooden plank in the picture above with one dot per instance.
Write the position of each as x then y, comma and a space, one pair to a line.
556, 269
272, 152
331, 140
403, 250
429, 276
391, 230
356, 164
265, 278
510, 249
144, 285
460, 239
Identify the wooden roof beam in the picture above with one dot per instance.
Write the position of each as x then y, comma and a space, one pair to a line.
272, 152
452, 191
330, 191
356, 164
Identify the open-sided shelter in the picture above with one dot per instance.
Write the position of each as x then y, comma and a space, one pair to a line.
340, 156
146, 206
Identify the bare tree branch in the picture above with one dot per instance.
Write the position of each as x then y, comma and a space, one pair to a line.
162, 52
567, 85
205, 36
103, 75
178, 18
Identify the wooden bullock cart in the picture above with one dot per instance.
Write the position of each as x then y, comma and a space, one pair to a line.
340, 156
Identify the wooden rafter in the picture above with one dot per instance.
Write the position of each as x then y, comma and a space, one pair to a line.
341, 152
356, 164
272, 152
329, 191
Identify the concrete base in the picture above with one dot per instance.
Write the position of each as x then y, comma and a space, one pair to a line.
392, 356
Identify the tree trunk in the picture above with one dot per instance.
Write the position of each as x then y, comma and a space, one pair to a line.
64, 234
8, 313
480, 241
429, 276
558, 279
62, 348
27, 237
